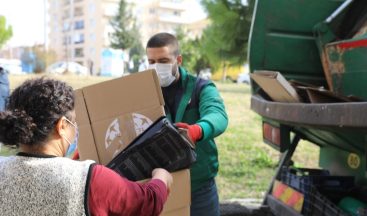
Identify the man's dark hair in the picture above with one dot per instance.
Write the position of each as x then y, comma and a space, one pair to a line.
33, 110
164, 39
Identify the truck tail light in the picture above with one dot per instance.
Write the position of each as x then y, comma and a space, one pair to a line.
271, 134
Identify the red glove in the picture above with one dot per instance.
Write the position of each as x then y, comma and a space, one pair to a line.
194, 131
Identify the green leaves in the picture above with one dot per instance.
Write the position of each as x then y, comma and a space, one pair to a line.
6, 32
193, 59
225, 40
126, 33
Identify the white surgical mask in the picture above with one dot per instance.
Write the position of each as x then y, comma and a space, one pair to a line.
164, 72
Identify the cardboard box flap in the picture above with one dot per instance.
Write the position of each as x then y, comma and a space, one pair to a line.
156, 81
180, 195
86, 147
80, 108
109, 98
276, 86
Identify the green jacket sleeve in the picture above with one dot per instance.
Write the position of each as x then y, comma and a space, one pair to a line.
213, 117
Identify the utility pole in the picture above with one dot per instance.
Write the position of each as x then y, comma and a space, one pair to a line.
45, 32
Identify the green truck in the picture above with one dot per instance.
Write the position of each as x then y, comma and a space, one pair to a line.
320, 48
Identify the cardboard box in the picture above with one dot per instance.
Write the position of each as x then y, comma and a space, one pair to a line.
180, 195
179, 199
112, 113
318, 95
275, 86
86, 146
178, 212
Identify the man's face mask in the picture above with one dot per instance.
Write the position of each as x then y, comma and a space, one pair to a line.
73, 146
164, 72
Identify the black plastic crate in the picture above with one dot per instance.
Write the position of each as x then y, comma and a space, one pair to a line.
320, 189
303, 179
161, 145
319, 205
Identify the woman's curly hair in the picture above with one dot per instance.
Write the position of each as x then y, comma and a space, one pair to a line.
33, 110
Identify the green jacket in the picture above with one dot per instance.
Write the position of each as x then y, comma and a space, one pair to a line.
201, 104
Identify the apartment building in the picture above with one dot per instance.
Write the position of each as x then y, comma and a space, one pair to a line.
80, 29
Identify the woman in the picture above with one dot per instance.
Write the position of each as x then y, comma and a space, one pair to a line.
40, 120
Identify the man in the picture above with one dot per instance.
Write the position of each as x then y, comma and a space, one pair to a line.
194, 104
4, 88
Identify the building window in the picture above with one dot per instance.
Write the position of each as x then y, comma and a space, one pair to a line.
92, 51
78, 11
79, 24
152, 10
56, 28
66, 26
66, 40
92, 23
79, 38
66, 14
176, 13
92, 7
92, 37
78, 52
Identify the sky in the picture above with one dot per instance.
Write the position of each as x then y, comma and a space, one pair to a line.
27, 20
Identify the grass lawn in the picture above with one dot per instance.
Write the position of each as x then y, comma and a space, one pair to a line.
246, 163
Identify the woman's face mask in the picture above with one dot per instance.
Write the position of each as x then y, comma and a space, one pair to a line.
164, 72
73, 146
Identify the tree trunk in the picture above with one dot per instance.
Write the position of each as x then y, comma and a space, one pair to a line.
224, 72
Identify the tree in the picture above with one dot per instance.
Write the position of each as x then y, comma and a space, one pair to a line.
6, 32
37, 58
225, 40
42, 57
126, 33
193, 58
136, 52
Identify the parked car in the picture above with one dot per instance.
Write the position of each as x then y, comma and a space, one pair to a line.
67, 67
11, 66
243, 78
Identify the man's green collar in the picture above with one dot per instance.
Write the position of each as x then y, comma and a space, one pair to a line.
183, 74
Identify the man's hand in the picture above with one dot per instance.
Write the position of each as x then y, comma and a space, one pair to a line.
194, 131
